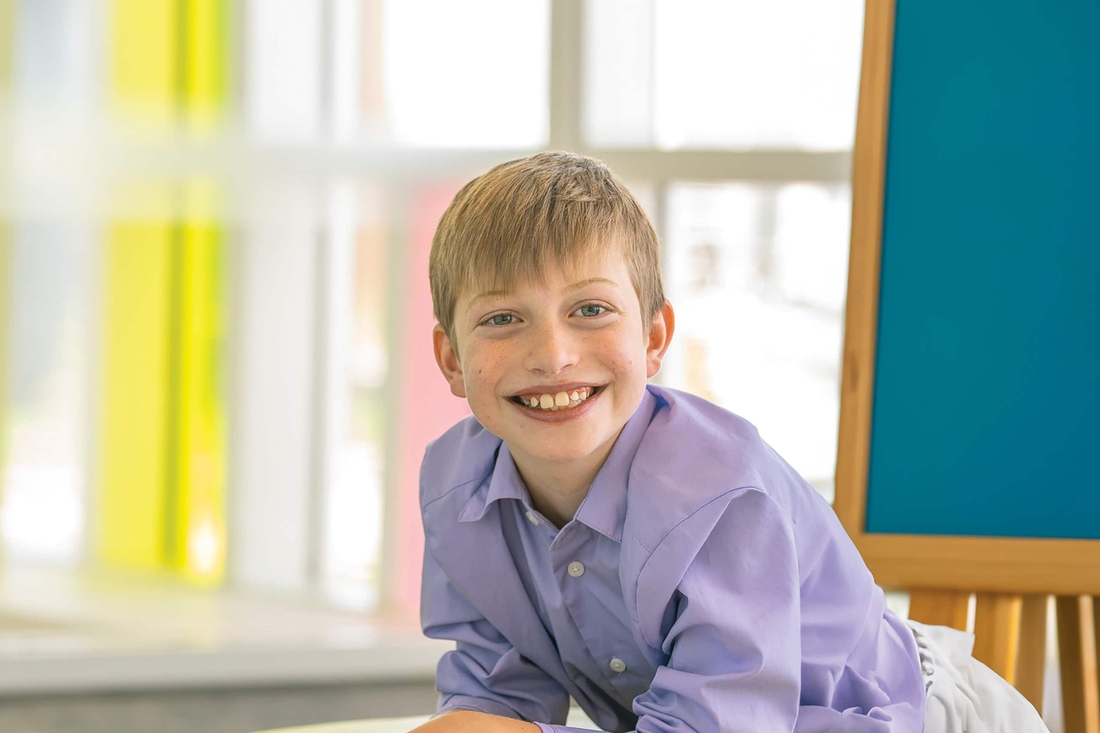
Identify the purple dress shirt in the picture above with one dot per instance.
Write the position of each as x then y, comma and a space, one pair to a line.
703, 585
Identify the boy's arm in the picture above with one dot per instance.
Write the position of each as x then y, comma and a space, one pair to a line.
484, 673
468, 721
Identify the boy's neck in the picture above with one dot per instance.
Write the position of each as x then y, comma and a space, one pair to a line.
558, 489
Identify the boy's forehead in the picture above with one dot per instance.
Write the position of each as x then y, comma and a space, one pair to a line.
497, 283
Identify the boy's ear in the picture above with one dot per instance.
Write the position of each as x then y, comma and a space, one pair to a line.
660, 336
447, 358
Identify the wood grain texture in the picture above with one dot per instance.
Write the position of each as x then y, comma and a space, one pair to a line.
861, 315
1095, 692
1031, 663
997, 632
975, 564
1078, 666
940, 608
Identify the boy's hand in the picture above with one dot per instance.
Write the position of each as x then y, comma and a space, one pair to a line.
468, 721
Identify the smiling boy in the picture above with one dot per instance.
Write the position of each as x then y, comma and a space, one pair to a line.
636, 548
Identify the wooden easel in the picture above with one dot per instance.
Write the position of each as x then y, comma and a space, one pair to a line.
1011, 579
1010, 638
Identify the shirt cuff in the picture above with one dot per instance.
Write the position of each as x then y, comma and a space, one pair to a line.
476, 704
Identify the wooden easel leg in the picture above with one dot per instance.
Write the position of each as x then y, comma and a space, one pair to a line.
1031, 663
1078, 666
940, 607
1096, 660
997, 632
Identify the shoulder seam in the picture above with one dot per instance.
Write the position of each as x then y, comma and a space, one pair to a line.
637, 586
701, 507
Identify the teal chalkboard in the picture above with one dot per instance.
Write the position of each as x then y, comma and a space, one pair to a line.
986, 417
969, 452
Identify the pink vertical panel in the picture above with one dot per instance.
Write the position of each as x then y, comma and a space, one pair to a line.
429, 407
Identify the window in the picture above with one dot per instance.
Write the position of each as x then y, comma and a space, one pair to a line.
334, 136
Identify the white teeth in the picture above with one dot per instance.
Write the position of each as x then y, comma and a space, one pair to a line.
558, 401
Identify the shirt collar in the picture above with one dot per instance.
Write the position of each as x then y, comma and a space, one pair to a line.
604, 507
504, 483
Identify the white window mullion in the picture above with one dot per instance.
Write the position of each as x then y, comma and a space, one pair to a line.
349, 468
273, 397
284, 73
43, 513
617, 78
345, 69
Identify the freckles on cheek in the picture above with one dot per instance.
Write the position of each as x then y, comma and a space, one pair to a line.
494, 358
610, 350
488, 363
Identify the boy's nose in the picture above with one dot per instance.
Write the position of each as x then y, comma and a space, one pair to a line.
551, 350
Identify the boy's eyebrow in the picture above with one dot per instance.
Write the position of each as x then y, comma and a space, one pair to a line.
590, 281
483, 296
569, 289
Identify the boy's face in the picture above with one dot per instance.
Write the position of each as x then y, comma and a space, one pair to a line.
577, 339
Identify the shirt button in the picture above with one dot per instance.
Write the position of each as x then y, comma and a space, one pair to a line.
617, 665
532, 518
575, 569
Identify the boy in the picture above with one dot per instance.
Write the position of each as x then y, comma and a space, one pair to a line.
635, 548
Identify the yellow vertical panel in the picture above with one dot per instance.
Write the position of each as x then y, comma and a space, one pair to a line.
169, 56
199, 529
199, 532
131, 511
205, 61
133, 505
144, 54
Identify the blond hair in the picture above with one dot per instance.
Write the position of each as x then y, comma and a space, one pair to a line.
508, 225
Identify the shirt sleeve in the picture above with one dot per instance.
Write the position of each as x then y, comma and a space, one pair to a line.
484, 673
734, 643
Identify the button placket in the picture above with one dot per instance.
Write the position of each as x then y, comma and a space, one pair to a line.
567, 549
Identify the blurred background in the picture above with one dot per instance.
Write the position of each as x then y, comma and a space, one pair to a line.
216, 379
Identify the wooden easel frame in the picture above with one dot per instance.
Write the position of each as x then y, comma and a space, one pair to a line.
1011, 576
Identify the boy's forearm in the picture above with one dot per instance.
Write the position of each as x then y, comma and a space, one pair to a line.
469, 721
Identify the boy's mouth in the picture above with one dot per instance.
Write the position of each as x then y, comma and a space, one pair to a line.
557, 401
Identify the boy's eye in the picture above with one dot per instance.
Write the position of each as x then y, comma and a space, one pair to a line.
591, 310
501, 319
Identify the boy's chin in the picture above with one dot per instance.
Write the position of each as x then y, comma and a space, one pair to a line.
552, 453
